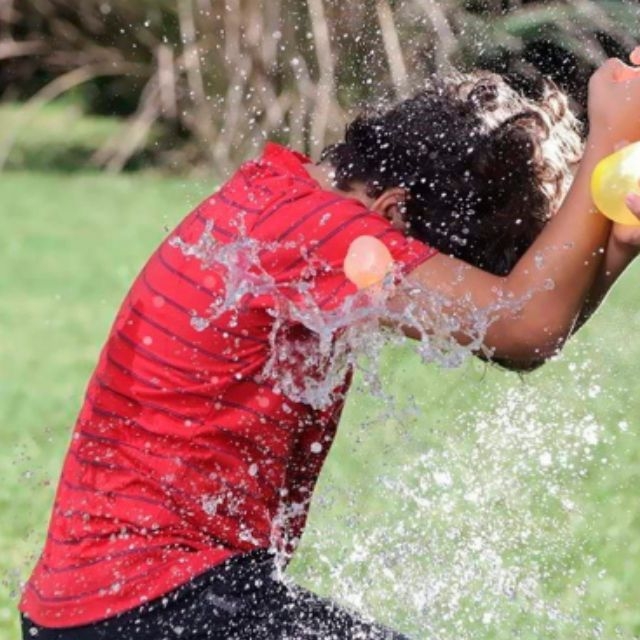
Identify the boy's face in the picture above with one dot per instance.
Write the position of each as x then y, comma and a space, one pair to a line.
390, 203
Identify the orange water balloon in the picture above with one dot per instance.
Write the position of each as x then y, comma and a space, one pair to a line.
615, 177
368, 261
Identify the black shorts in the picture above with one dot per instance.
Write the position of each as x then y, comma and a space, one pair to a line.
242, 599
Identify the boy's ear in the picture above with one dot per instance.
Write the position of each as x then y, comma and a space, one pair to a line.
390, 204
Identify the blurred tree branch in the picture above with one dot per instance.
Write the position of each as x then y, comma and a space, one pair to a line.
213, 78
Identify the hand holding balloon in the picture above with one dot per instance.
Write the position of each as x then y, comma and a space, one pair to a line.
626, 238
615, 177
368, 261
618, 175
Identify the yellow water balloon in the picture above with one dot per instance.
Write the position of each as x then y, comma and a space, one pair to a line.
615, 177
368, 261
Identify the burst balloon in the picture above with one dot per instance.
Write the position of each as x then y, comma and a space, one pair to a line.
368, 261
615, 177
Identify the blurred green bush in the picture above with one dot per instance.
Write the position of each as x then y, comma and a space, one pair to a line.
58, 136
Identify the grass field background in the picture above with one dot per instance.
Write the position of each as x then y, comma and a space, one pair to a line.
476, 505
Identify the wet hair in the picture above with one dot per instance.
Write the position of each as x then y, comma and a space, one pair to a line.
484, 166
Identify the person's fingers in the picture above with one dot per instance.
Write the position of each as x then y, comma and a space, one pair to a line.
621, 72
635, 56
633, 202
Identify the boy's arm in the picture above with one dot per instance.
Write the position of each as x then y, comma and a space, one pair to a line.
623, 246
537, 304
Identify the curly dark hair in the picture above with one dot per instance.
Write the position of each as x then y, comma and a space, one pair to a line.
484, 165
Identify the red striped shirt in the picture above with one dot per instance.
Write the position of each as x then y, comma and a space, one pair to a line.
183, 454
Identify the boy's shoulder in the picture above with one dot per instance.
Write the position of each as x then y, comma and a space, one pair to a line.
274, 194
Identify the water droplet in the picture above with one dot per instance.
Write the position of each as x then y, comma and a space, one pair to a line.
546, 459
200, 324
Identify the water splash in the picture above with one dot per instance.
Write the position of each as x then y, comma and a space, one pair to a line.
310, 369
462, 542
469, 538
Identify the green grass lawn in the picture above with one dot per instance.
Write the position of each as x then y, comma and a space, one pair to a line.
475, 505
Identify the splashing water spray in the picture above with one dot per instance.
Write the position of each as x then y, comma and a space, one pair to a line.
455, 553
469, 531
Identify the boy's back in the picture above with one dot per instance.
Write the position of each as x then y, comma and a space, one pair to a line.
184, 453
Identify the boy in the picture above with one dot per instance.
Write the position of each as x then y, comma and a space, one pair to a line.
189, 465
